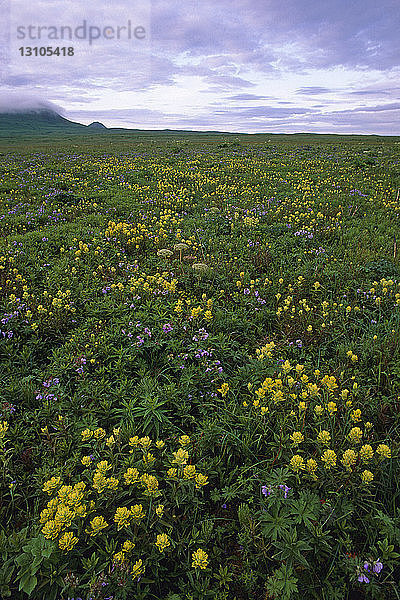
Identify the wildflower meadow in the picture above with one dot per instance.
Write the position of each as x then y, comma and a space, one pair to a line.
200, 368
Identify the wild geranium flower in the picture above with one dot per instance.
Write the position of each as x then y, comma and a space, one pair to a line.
377, 566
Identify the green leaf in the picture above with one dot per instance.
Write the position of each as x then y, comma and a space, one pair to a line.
27, 584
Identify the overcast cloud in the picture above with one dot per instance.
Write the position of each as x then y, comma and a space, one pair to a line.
232, 65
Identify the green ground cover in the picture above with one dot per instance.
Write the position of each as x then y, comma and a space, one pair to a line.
200, 367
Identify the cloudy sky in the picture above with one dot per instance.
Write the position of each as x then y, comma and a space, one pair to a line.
324, 66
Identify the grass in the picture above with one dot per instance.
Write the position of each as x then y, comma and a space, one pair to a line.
216, 421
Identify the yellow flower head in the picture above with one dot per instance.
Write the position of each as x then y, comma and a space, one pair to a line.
122, 517
355, 435
356, 415
224, 389
138, 569
172, 473
162, 542
312, 466
128, 546
67, 541
160, 444
160, 510
366, 453
96, 525
332, 408
329, 458
134, 441
367, 477
99, 433
180, 457
86, 435
324, 437
86, 461
384, 451
137, 512
199, 559
201, 480
145, 442
319, 410
297, 437
51, 530
297, 463
189, 472
103, 467
131, 476
50, 485
184, 440
349, 459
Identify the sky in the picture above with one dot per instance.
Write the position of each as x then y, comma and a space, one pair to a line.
268, 66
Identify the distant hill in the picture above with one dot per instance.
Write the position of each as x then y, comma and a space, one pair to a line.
42, 122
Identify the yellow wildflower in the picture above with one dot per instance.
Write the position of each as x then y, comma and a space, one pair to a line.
355, 435
356, 415
131, 476
50, 485
137, 512
51, 530
184, 440
366, 453
329, 458
201, 480
99, 433
86, 461
297, 463
162, 542
332, 408
366, 477
86, 435
384, 451
172, 473
128, 546
319, 410
180, 457
324, 437
138, 569
96, 525
160, 444
189, 472
160, 510
224, 389
122, 517
67, 541
349, 459
145, 442
297, 437
199, 559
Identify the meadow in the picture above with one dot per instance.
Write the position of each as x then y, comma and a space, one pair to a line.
200, 368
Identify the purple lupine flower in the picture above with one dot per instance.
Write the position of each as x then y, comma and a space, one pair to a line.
266, 491
363, 578
285, 488
167, 327
377, 566
367, 566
